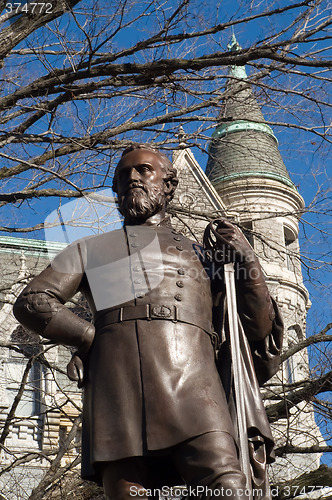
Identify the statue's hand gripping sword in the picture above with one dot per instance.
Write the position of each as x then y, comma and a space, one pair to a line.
214, 242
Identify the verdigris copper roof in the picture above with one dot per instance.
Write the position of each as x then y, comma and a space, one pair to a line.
243, 145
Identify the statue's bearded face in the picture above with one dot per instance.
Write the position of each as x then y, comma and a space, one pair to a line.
141, 202
140, 186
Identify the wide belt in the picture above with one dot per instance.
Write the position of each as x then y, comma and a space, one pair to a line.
151, 312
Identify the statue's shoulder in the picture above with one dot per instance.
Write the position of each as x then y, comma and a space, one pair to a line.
89, 251
103, 238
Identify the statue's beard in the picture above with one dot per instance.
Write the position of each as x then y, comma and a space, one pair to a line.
137, 205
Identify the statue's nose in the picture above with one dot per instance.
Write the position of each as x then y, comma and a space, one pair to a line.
134, 175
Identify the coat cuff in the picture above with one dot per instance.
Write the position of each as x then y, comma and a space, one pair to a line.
68, 329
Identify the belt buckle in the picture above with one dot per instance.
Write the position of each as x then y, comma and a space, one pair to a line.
161, 312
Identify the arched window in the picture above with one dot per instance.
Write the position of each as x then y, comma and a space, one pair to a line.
30, 402
247, 229
290, 247
294, 364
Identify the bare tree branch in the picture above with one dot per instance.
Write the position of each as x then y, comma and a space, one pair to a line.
311, 388
314, 339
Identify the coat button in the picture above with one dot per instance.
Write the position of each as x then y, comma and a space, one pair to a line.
181, 271
180, 248
138, 281
178, 297
134, 245
180, 284
137, 268
133, 235
176, 238
139, 295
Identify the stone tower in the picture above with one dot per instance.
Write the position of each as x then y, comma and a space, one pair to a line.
247, 171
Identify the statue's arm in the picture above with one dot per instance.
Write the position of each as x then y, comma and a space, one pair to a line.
254, 303
255, 306
41, 308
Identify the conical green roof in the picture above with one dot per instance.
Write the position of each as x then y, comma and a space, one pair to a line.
243, 145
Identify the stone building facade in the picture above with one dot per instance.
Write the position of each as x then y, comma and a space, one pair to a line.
34, 426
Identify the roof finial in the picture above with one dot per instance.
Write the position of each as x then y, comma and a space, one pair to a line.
238, 72
23, 260
181, 136
23, 270
233, 45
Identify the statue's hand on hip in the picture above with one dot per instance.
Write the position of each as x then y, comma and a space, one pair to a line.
75, 369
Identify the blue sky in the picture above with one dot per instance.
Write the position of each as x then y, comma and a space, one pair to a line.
305, 154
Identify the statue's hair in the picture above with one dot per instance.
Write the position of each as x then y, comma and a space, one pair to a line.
167, 165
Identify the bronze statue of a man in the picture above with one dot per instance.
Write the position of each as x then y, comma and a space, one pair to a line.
155, 411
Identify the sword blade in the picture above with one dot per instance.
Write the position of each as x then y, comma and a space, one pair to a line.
237, 373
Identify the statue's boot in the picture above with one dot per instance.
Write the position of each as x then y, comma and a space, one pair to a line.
125, 490
210, 467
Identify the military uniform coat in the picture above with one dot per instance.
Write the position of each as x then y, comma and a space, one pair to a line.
151, 379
